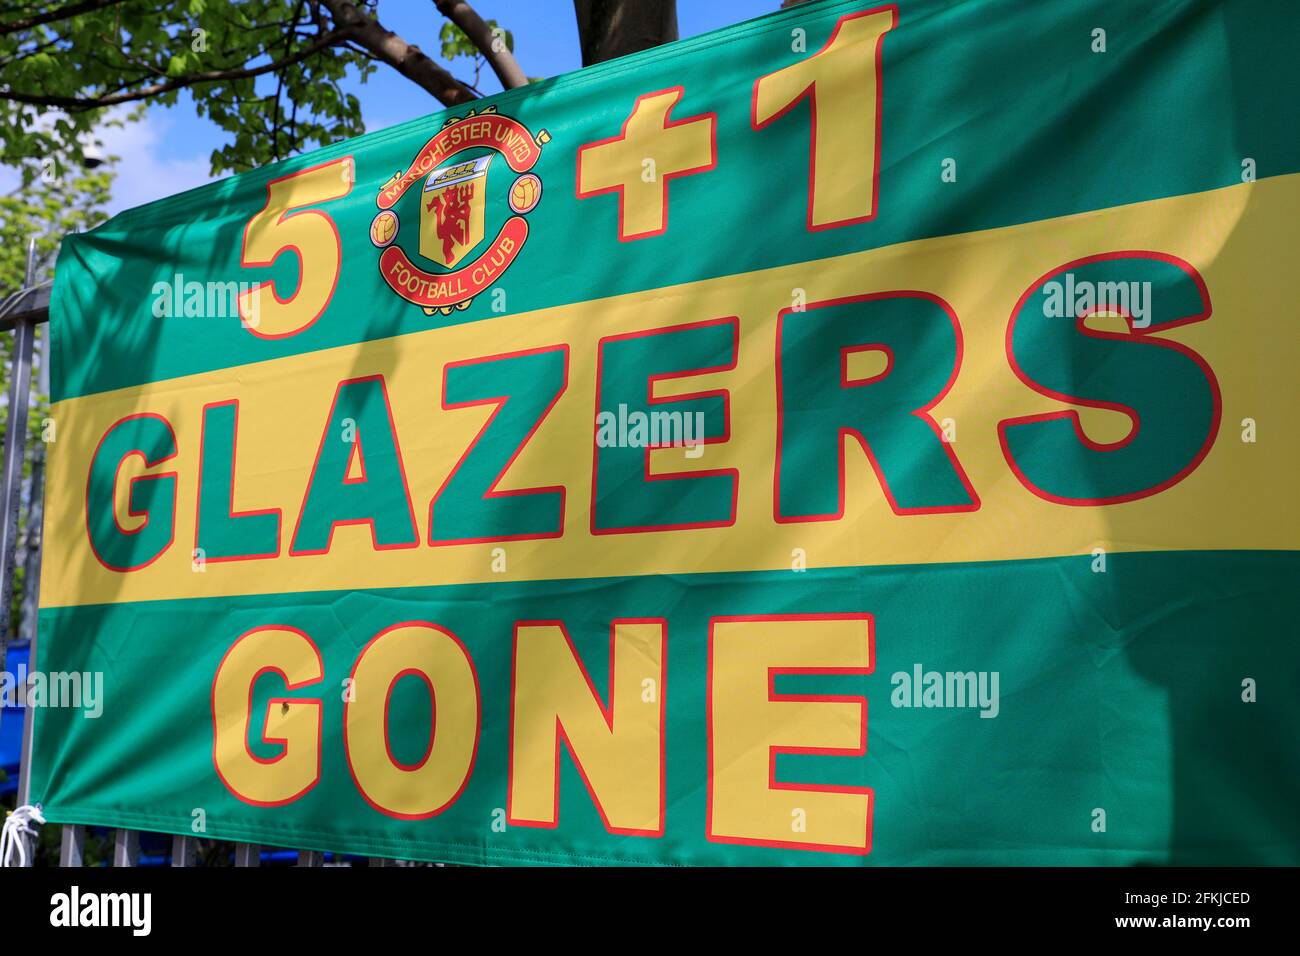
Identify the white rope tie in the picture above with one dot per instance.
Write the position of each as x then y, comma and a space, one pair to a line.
18, 826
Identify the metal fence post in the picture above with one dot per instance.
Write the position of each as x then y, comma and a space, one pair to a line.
34, 529
11, 484
126, 848
184, 850
11, 480
248, 854
72, 850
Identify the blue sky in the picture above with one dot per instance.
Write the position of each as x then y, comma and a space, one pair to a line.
169, 151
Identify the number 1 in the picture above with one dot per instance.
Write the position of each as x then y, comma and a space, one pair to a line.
842, 84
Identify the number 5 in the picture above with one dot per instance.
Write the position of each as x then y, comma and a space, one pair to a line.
842, 83
311, 234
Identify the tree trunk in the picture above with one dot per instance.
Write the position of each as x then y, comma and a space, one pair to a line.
614, 28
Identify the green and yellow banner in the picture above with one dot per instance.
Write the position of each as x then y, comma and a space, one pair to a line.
864, 435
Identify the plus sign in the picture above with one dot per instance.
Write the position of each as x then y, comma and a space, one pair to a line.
638, 163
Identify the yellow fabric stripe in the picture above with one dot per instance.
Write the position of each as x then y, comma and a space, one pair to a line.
1241, 238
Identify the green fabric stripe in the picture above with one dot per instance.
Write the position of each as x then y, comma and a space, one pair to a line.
1119, 690
1039, 125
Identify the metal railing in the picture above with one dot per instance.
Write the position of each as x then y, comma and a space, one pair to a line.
20, 314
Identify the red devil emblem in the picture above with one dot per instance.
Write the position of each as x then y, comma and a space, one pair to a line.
450, 207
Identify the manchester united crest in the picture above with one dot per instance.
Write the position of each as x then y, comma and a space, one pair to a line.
475, 182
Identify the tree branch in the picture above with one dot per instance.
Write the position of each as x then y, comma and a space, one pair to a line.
279, 80
62, 13
406, 58
39, 48
494, 50
80, 104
